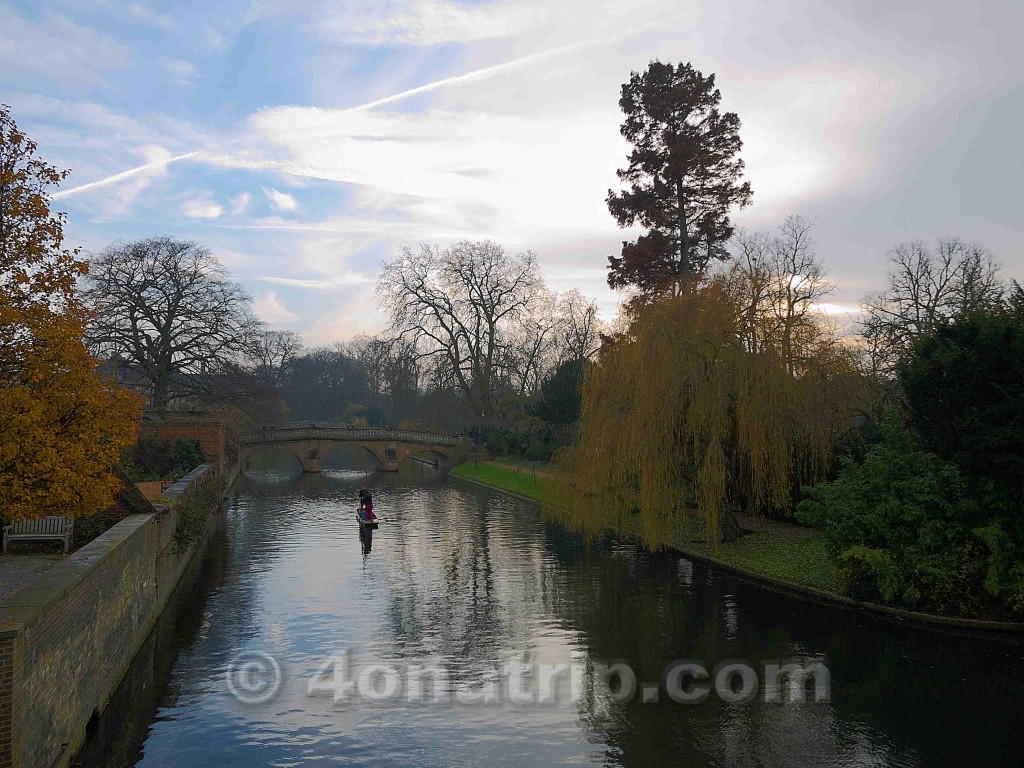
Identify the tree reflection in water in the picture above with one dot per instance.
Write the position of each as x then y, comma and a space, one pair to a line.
465, 578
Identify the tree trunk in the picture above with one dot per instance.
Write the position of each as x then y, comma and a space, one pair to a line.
684, 235
160, 392
729, 526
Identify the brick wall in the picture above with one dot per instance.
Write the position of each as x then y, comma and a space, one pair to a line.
67, 639
210, 434
10, 705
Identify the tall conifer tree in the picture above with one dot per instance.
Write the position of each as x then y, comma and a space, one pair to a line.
684, 175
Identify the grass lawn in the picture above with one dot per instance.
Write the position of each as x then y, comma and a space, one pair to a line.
805, 561
531, 465
507, 479
800, 560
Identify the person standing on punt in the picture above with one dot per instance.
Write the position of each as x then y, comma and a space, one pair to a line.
367, 504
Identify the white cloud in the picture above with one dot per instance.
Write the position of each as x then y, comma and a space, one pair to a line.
430, 22
236, 259
282, 201
240, 204
344, 320
88, 133
59, 49
149, 16
512, 132
450, 22
182, 72
471, 172
342, 279
853, 310
270, 309
202, 207
828, 137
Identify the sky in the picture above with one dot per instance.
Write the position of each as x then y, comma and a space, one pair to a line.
305, 142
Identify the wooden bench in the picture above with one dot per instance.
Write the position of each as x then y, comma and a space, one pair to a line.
49, 527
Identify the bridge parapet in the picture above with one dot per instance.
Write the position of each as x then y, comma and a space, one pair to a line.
311, 445
288, 434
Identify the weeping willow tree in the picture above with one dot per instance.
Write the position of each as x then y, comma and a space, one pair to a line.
680, 418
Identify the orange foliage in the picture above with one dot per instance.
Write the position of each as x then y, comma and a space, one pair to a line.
62, 426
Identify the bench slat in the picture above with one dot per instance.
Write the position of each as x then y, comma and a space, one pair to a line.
48, 527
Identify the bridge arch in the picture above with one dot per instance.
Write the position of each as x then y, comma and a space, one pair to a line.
248, 453
357, 449
441, 459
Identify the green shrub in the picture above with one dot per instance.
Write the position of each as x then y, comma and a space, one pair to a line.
933, 515
538, 452
188, 454
152, 457
505, 441
901, 526
1004, 576
866, 574
155, 458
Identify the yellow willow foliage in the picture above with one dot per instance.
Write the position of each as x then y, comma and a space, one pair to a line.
679, 415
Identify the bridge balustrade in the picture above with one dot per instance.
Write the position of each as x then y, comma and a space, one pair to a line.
341, 433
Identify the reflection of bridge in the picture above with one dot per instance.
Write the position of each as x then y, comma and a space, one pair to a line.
311, 445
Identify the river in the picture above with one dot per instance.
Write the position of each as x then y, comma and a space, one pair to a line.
475, 585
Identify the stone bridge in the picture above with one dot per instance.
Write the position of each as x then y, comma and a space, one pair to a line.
311, 445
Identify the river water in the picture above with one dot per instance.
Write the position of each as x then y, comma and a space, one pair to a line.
478, 587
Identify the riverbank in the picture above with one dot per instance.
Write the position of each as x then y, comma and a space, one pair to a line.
783, 552
68, 635
470, 567
500, 476
776, 556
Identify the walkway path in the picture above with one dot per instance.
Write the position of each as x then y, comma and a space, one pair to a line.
517, 468
19, 570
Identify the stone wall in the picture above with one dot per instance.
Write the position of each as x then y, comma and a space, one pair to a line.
141, 691
67, 638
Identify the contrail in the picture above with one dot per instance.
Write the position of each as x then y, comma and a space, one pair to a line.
494, 69
477, 74
123, 175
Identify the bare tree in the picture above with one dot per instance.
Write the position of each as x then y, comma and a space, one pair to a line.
552, 329
532, 348
372, 353
272, 354
458, 304
392, 371
798, 283
751, 276
167, 309
782, 281
580, 326
925, 287
323, 382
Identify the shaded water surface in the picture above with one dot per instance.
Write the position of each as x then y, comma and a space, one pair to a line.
464, 579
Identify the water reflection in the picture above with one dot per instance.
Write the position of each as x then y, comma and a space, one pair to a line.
116, 739
464, 579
